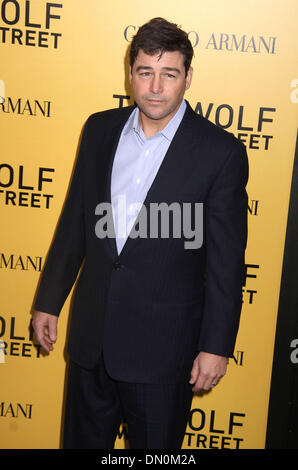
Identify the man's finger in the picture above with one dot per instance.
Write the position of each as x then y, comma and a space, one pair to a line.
53, 329
194, 373
205, 382
45, 327
45, 343
200, 383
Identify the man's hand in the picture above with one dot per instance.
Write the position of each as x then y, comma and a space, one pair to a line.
45, 327
207, 370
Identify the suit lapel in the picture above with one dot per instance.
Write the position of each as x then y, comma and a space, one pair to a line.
109, 147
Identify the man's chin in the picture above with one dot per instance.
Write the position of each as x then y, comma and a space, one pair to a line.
155, 115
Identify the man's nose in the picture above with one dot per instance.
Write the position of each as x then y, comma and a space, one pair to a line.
156, 84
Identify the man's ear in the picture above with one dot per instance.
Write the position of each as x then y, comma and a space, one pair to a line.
130, 74
189, 78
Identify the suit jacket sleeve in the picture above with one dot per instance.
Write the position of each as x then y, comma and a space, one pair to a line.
68, 247
225, 238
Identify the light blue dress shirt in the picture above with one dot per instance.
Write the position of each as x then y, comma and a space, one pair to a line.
136, 163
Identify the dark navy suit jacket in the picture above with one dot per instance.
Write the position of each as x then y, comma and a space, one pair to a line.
154, 306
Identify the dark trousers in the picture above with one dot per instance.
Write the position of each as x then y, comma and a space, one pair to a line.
156, 414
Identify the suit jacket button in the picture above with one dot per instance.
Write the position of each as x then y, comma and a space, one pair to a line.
117, 265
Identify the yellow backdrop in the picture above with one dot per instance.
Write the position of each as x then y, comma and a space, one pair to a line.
61, 62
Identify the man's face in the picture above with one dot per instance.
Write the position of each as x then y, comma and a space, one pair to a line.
159, 83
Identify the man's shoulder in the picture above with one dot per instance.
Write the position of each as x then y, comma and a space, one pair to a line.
113, 115
210, 132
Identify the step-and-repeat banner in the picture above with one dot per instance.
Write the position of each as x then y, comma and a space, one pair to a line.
62, 61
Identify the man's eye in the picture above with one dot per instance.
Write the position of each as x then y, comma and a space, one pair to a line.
169, 75
145, 74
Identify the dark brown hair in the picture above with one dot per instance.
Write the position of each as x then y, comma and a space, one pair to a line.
159, 36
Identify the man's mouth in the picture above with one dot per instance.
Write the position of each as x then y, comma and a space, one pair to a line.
155, 101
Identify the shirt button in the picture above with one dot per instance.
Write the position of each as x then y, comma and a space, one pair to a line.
138, 180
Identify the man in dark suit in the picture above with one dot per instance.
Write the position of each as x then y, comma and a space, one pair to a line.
154, 320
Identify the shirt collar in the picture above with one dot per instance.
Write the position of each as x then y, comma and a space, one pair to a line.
168, 131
